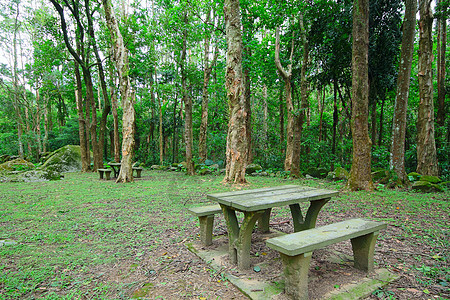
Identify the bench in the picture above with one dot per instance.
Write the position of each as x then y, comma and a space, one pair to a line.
138, 171
107, 172
205, 216
296, 249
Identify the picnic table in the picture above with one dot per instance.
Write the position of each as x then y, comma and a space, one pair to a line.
116, 168
257, 205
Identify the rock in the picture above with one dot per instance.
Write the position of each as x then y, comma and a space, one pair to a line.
341, 173
174, 169
17, 164
154, 167
426, 187
40, 175
214, 167
204, 171
432, 179
317, 172
413, 176
264, 174
208, 162
252, 168
380, 175
65, 159
309, 176
158, 167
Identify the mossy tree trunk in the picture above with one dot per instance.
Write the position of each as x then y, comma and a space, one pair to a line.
237, 147
397, 158
360, 175
426, 145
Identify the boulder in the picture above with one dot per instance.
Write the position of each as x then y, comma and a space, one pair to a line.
208, 162
252, 168
413, 176
39, 175
204, 171
17, 164
432, 179
341, 173
317, 172
65, 159
426, 187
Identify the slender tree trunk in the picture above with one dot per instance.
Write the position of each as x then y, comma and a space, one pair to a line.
441, 68
188, 132
16, 85
45, 141
248, 108
237, 147
127, 95
426, 146
321, 106
266, 117
161, 141
38, 121
281, 120
175, 132
380, 132
287, 75
202, 149
335, 117
81, 120
360, 174
114, 105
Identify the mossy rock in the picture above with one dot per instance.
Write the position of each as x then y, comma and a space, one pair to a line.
158, 167
413, 176
204, 171
445, 184
317, 172
214, 167
209, 162
381, 176
432, 179
40, 175
17, 164
426, 187
252, 168
65, 159
341, 173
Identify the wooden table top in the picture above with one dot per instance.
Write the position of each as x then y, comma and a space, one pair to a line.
264, 198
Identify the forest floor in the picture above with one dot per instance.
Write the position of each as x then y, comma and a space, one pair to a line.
82, 238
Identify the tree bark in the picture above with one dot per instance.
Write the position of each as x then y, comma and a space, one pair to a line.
202, 149
360, 174
441, 68
282, 150
426, 146
187, 100
81, 121
237, 147
116, 137
287, 75
127, 95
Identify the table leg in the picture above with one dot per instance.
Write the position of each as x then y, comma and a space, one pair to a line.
263, 222
239, 238
309, 221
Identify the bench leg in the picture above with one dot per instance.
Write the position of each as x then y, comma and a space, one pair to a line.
311, 215
138, 173
206, 228
363, 250
263, 222
108, 175
101, 174
296, 270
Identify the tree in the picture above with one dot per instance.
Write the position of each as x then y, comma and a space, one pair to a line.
236, 152
360, 174
397, 158
426, 145
127, 96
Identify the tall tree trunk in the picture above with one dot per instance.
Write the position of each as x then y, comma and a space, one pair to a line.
380, 132
248, 108
237, 147
16, 85
187, 100
287, 75
101, 73
161, 138
282, 150
202, 149
38, 121
115, 141
335, 118
360, 174
266, 117
441, 67
81, 121
126, 94
426, 146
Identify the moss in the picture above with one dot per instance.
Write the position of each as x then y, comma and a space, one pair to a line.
432, 179
16, 165
65, 159
252, 168
413, 176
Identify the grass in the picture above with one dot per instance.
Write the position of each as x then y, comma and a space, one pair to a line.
71, 234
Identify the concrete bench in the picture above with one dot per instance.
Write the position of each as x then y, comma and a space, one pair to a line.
138, 171
296, 249
107, 172
205, 216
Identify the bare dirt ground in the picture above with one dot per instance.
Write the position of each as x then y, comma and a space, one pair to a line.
177, 273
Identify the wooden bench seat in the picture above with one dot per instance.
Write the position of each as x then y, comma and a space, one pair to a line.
138, 171
296, 249
107, 172
205, 216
